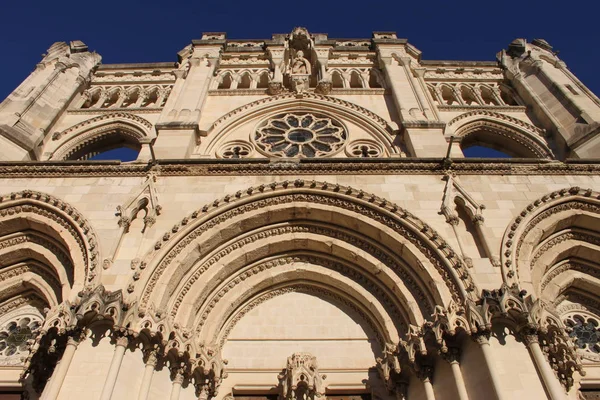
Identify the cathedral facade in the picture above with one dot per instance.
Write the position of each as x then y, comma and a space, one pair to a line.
300, 218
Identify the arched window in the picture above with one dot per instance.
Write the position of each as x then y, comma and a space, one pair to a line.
120, 153
225, 82
355, 80
448, 96
488, 97
477, 151
490, 139
336, 80
468, 96
113, 145
245, 81
263, 81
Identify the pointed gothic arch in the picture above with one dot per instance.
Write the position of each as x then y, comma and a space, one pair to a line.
554, 244
499, 132
47, 248
258, 239
99, 134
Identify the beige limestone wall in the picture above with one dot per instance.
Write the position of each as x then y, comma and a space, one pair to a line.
97, 199
514, 367
88, 370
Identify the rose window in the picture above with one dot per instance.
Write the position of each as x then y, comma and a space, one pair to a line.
585, 330
300, 135
15, 334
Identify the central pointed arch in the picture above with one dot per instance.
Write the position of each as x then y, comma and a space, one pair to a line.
393, 266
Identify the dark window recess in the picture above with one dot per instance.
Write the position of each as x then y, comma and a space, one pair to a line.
363, 396
10, 395
571, 89
256, 397
590, 394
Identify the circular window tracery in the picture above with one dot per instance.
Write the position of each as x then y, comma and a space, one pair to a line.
364, 149
300, 135
15, 333
585, 330
235, 149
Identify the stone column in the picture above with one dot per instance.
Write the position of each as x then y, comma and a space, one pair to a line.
151, 356
425, 374
452, 356
58, 377
178, 375
553, 387
484, 344
115, 365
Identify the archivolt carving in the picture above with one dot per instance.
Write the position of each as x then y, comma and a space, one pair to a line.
82, 134
429, 243
533, 145
424, 301
503, 117
569, 199
80, 235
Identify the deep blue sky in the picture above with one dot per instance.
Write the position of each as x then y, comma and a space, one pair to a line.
144, 31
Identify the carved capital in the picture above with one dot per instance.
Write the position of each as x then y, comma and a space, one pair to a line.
482, 338
452, 355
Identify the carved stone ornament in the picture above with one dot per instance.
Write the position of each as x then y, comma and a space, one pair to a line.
301, 379
300, 135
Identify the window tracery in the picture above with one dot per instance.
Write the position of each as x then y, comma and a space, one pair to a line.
584, 328
15, 332
364, 149
300, 135
236, 149
470, 94
103, 97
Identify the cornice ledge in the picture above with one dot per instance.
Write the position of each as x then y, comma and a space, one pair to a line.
346, 166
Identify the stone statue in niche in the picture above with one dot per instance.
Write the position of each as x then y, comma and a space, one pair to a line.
300, 72
300, 65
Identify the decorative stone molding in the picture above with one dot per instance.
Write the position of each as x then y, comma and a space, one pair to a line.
503, 117
398, 166
301, 379
567, 199
407, 225
388, 366
114, 116
309, 96
519, 142
365, 148
300, 135
47, 206
235, 149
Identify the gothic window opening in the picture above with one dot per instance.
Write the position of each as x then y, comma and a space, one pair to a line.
111, 146
468, 96
225, 82
448, 96
355, 80
488, 97
300, 135
584, 329
336, 80
263, 81
484, 152
245, 81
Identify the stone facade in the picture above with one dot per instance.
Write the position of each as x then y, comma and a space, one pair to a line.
300, 222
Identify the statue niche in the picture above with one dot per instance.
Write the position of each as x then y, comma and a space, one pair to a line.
301, 380
300, 72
